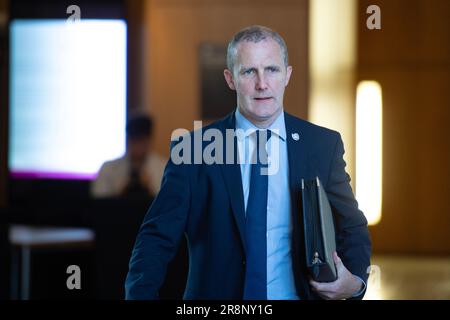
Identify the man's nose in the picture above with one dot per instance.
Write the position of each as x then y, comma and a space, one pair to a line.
261, 83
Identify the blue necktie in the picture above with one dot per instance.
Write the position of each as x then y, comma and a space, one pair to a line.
255, 287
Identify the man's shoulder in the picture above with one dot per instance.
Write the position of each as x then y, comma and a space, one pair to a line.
220, 125
115, 163
293, 124
227, 122
309, 128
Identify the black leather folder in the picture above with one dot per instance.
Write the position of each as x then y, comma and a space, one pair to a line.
319, 232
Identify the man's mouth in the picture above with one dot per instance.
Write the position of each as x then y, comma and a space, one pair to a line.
262, 98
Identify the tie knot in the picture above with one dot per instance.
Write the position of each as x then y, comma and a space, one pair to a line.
262, 136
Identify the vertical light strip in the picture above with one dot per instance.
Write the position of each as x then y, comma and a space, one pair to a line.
369, 149
332, 68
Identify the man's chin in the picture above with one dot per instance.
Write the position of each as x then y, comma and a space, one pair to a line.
261, 113
265, 115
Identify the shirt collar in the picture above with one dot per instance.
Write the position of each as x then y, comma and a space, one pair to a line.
248, 127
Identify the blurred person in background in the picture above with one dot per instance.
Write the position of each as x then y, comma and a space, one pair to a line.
138, 172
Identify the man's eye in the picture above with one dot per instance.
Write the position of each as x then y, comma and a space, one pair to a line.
272, 69
249, 71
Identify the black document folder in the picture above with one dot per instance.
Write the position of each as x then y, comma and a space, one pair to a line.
319, 231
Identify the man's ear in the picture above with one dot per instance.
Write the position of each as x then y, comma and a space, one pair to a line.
229, 79
288, 74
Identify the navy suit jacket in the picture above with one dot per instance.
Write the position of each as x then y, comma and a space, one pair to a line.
205, 203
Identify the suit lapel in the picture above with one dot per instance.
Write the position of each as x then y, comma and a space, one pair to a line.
297, 143
297, 153
233, 180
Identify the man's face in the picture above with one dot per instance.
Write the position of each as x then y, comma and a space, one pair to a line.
259, 78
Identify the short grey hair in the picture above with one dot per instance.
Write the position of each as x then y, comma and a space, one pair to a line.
254, 34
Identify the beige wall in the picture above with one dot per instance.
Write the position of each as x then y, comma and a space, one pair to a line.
175, 28
410, 57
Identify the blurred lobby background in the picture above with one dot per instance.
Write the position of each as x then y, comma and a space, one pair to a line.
174, 57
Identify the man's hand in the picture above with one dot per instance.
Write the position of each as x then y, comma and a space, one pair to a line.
344, 287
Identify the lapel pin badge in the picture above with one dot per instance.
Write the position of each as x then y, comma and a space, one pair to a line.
295, 136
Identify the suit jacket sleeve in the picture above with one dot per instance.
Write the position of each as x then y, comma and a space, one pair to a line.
160, 234
352, 236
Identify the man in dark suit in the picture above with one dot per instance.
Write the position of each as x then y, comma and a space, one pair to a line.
243, 225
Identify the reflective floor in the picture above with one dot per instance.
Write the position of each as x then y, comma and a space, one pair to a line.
409, 277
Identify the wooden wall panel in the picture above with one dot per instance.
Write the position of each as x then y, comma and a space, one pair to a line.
410, 57
176, 28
